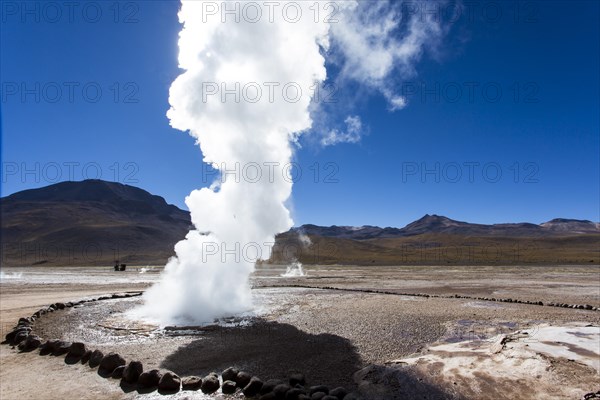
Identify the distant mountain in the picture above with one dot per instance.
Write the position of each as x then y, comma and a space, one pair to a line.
439, 224
571, 226
88, 223
95, 222
348, 232
438, 240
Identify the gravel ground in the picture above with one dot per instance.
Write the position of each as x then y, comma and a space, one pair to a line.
325, 334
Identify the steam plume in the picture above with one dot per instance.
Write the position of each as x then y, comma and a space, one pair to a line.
237, 217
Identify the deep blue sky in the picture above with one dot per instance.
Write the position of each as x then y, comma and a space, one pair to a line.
549, 134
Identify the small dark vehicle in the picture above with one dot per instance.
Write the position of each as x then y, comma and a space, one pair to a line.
120, 267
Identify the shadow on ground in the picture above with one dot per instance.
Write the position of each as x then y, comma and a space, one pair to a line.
269, 350
272, 350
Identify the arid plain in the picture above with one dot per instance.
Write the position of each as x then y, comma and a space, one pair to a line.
381, 332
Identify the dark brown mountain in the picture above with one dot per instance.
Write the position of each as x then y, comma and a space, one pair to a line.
95, 222
430, 224
439, 240
91, 222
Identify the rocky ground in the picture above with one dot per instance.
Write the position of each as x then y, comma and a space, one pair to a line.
327, 335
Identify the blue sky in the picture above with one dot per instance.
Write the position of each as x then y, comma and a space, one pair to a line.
502, 124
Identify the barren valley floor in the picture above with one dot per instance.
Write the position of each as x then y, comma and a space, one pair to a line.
329, 328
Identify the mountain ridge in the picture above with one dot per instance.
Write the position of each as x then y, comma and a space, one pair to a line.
65, 222
441, 224
89, 222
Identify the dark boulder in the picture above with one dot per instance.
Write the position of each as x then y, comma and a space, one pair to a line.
61, 347
281, 390
118, 372
229, 387
338, 392
86, 356
110, 362
318, 396
210, 384
297, 379
268, 396
150, 378
77, 349
21, 325
21, 345
19, 337
319, 388
191, 383
242, 379
229, 374
591, 395
47, 347
95, 358
269, 385
253, 387
169, 382
352, 396
132, 371
294, 394
10, 336
31, 343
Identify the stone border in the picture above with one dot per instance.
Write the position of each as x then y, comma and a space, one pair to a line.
586, 307
133, 377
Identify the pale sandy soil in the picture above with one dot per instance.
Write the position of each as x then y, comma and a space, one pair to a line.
566, 284
29, 376
546, 362
366, 328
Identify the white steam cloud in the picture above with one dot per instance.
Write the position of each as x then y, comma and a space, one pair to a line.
236, 220
250, 74
294, 270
